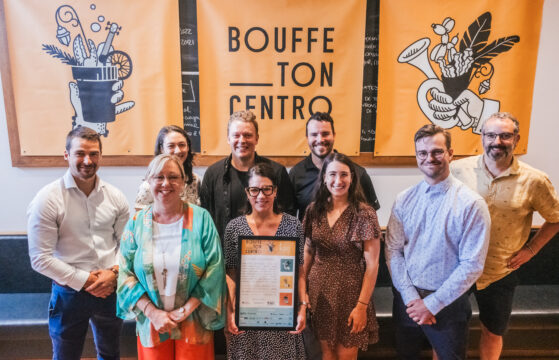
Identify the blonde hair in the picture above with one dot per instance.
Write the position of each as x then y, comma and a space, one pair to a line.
156, 165
243, 116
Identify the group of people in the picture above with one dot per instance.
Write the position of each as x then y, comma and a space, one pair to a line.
173, 265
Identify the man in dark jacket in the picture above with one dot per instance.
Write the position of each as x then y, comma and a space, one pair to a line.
222, 192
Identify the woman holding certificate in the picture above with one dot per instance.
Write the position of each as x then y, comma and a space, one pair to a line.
341, 261
172, 275
263, 219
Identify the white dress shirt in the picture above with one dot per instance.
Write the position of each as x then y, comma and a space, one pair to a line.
71, 234
437, 239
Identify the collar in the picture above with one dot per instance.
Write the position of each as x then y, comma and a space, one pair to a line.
308, 163
513, 169
70, 182
439, 188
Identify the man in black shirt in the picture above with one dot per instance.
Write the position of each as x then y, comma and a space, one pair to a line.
223, 188
304, 175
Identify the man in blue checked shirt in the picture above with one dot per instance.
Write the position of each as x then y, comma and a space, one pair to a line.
436, 244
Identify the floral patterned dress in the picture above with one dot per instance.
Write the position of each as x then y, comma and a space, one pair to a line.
336, 275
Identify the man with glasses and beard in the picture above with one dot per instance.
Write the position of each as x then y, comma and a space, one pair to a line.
304, 175
513, 191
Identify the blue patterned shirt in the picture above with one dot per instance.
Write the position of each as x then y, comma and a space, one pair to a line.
437, 240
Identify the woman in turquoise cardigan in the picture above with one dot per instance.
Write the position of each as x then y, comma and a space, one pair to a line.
172, 323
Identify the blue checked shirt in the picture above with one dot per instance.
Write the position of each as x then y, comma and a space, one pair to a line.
437, 239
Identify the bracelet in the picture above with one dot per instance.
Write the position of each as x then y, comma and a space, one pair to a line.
363, 303
530, 248
114, 270
145, 307
304, 303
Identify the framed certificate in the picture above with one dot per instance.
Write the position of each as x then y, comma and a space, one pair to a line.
267, 283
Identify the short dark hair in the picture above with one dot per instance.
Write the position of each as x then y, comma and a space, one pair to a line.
504, 115
83, 132
187, 164
430, 130
320, 116
267, 171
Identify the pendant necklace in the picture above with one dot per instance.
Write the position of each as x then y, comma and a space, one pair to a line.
164, 272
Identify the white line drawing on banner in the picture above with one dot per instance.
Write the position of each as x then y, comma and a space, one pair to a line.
447, 102
99, 71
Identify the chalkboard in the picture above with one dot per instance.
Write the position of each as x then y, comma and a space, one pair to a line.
190, 74
370, 78
189, 71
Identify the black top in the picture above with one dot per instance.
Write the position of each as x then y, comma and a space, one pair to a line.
222, 187
304, 176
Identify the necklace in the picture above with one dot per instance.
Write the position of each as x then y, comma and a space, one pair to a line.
164, 272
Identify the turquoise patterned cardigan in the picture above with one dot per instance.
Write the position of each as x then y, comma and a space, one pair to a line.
201, 274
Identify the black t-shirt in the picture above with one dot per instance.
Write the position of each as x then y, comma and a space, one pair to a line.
239, 181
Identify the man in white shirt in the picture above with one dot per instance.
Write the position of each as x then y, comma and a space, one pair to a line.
74, 228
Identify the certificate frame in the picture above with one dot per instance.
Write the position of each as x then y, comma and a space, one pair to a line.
267, 299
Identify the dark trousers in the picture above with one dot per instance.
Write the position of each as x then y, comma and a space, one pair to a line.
448, 337
70, 312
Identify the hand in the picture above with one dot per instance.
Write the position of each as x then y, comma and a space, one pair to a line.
519, 258
467, 107
419, 313
472, 107
180, 314
231, 326
442, 105
105, 284
90, 280
160, 320
76, 102
357, 319
301, 320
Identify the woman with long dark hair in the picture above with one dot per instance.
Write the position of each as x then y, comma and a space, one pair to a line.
263, 217
173, 140
341, 261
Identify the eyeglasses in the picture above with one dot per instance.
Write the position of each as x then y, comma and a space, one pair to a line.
253, 191
437, 154
159, 179
503, 136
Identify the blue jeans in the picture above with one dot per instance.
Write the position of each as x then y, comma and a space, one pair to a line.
448, 337
70, 311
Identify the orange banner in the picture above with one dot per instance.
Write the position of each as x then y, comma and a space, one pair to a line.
113, 66
276, 60
453, 64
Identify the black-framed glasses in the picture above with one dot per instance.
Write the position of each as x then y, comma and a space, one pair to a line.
253, 191
437, 154
503, 136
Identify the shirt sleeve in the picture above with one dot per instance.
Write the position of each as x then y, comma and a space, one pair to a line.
129, 289
545, 201
230, 241
42, 234
211, 289
472, 251
369, 190
394, 253
122, 218
286, 195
